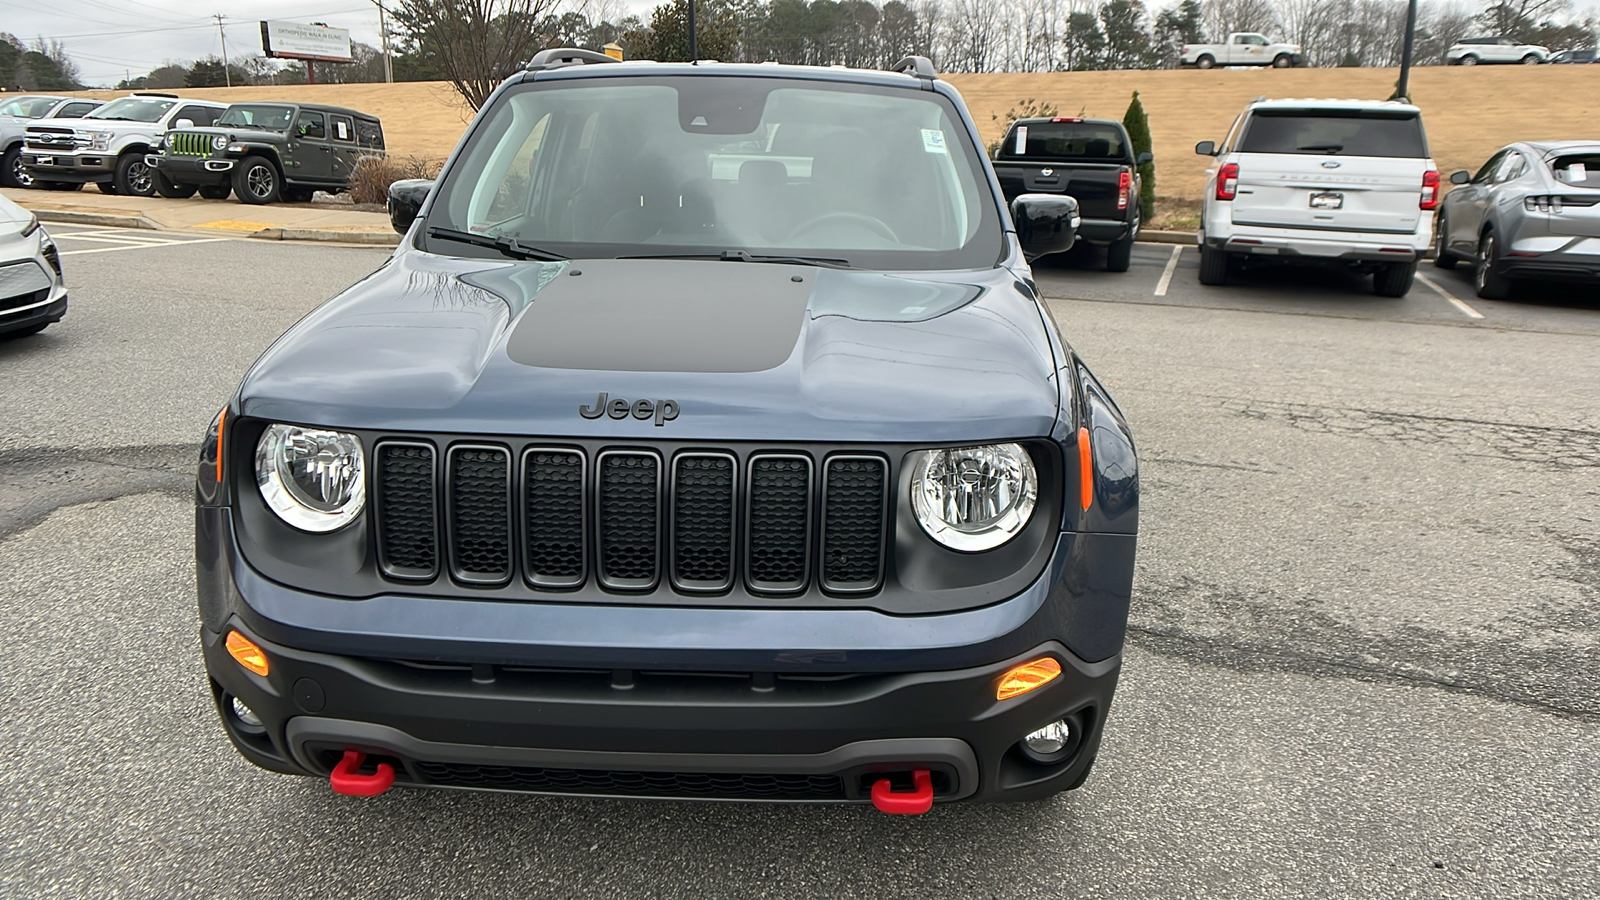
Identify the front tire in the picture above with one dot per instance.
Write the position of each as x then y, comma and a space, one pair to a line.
1442, 257
1394, 280
216, 191
1282, 61
1119, 254
133, 177
1204, 62
1469, 60
1213, 266
1490, 284
1531, 59
12, 174
256, 181
172, 190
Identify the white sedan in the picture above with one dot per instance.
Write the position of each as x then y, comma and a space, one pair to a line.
32, 292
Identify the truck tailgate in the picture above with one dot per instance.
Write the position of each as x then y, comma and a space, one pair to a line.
1094, 185
1338, 193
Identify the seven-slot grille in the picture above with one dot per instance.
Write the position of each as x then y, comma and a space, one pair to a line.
187, 143
629, 518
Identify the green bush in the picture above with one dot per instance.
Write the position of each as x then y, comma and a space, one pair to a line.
1026, 109
1138, 125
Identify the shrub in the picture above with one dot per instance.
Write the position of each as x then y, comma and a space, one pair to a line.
370, 181
1026, 109
1138, 125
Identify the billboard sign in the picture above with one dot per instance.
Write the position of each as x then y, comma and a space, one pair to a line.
292, 40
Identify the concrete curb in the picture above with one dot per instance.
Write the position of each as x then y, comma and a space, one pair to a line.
107, 219
1168, 237
329, 235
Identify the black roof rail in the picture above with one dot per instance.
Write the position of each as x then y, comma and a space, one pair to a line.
155, 94
920, 66
557, 57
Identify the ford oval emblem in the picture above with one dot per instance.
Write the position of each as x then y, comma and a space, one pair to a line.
1330, 164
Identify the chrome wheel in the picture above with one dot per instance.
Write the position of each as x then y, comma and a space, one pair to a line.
141, 179
19, 173
260, 181
1481, 274
1469, 60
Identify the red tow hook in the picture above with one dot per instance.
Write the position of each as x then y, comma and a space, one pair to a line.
916, 802
347, 780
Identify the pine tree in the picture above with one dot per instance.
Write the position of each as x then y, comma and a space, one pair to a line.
1138, 125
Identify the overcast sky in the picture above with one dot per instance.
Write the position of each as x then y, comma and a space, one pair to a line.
109, 39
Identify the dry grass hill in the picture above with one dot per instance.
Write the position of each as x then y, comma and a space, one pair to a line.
1469, 112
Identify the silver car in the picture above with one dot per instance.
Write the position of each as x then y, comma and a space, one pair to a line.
16, 114
1531, 212
32, 292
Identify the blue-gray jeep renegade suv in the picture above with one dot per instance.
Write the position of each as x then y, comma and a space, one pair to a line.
705, 437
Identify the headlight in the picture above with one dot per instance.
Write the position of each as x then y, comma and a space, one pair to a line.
312, 479
218, 142
99, 140
974, 498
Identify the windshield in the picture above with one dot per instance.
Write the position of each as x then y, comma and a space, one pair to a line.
1090, 141
257, 115
134, 109
1336, 132
28, 107
707, 165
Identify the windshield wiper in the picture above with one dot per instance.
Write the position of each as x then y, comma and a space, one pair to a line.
507, 246
825, 262
1323, 148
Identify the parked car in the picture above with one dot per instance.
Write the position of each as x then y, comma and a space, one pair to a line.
265, 152
1344, 182
16, 114
1568, 57
107, 147
1531, 212
1090, 160
1475, 50
32, 292
680, 450
1242, 48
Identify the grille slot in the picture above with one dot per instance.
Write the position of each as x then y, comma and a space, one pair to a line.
628, 501
479, 481
407, 510
854, 511
703, 502
634, 784
553, 510
777, 552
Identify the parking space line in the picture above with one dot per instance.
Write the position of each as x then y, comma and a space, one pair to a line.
1166, 275
1459, 304
114, 239
146, 246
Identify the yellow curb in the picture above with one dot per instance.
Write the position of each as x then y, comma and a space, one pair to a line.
235, 225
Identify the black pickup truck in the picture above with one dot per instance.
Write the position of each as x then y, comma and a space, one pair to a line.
1091, 160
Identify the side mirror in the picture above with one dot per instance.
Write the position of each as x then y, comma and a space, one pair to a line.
1206, 148
183, 123
1046, 223
1461, 177
405, 201
1144, 157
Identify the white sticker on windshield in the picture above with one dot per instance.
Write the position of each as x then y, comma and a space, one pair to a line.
1577, 173
1022, 140
933, 141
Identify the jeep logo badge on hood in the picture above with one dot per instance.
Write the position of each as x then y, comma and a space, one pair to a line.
664, 411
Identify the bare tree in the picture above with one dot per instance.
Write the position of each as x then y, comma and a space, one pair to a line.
475, 43
1222, 17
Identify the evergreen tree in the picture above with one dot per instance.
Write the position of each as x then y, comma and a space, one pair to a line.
1138, 125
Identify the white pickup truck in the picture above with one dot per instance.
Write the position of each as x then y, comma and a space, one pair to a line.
1243, 48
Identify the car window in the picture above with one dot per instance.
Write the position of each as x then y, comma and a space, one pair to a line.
1064, 140
369, 135
1512, 166
705, 165
1335, 132
201, 116
268, 117
1577, 168
28, 107
1489, 166
343, 130
1241, 39
313, 126
73, 110
1256, 39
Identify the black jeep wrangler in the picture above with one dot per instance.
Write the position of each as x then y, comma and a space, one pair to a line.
705, 437
264, 152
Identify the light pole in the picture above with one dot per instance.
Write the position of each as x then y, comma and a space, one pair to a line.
383, 36
1402, 89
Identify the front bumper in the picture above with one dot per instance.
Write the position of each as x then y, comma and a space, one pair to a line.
775, 704
30, 293
83, 167
192, 169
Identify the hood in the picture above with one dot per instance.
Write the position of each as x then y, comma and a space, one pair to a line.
241, 133
740, 351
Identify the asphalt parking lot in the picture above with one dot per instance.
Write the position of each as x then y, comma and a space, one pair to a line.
1364, 658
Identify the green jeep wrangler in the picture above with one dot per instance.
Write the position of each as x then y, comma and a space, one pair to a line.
265, 152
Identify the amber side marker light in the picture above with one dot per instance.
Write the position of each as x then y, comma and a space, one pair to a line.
1024, 678
1085, 470
245, 652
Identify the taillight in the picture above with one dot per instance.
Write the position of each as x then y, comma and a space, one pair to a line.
1545, 203
1227, 181
1430, 190
1124, 185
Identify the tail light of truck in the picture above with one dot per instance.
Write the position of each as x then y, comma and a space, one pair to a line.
1227, 181
1124, 186
1430, 190
1067, 119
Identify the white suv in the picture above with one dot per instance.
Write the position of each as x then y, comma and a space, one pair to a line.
1345, 182
1471, 51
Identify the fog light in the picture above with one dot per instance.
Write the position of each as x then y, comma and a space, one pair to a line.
1052, 743
248, 716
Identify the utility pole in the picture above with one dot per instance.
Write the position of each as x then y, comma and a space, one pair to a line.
383, 34
1403, 88
694, 50
227, 76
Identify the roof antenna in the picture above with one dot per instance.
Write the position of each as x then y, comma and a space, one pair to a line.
694, 51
